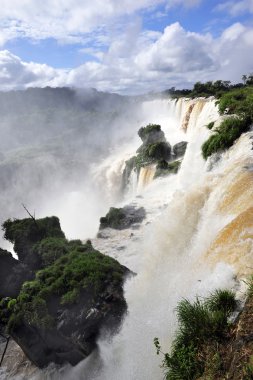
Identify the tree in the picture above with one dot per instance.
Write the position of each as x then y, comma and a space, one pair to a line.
244, 78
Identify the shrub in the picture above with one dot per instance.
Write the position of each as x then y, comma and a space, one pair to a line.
222, 300
50, 249
81, 269
239, 102
150, 129
201, 324
25, 233
113, 218
163, 168
225, 135
210, 125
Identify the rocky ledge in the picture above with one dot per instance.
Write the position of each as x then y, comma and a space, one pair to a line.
121, 218
59, 294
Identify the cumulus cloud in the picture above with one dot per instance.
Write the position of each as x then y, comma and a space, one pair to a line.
137, 62
15, 74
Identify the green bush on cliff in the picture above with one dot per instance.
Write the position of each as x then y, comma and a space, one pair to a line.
163, 168
68, 270
64, 281
26, 233
238, 102
144, 132
201, 325
50, 249
113, 218
210, 125
225, 135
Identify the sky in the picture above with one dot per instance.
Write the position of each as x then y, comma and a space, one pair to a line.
124, 46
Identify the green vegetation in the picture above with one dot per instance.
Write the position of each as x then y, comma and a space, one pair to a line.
154, 148
163, 168
224, 136
25, 233
202, 325
215, 88
150, 129
239, 104
113, 218
50, 249
68, 271
210, 125
211, 88
81, 270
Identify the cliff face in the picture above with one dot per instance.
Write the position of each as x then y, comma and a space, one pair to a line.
240, 353
232, 357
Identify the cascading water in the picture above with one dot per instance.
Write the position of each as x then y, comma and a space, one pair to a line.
183, 247
146, 176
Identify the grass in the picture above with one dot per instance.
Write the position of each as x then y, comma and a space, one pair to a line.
224, 136
239, 104
202, 324
68, 270
83, 268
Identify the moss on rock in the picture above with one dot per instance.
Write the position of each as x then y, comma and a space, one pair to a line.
121, 218
58, 313
163, 168
25, 233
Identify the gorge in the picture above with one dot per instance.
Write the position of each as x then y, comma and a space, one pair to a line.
195, 237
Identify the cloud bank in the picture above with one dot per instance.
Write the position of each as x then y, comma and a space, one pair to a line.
137, 61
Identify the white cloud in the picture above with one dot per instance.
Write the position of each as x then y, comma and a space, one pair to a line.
184, 3
70, 21
64, 20
15, 74
138, 62
236, 8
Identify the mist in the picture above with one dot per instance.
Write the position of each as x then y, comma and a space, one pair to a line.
62, 153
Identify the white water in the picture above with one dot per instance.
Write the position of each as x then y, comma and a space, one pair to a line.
167, 252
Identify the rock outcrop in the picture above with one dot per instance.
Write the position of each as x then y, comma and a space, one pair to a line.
121, 218
154, 150
73, 291
12, 275
179, 149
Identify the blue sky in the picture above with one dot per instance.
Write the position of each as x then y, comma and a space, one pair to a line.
127, 46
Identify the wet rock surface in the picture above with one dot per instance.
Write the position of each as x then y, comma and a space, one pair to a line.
122, 218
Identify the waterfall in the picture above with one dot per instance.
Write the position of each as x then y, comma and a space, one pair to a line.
146, 176
197, 237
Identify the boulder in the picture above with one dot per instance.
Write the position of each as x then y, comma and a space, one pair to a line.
58, 314
164, 168
122, 218
12, 274
180, 148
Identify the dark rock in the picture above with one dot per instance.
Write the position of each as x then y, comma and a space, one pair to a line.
180, 148
12, 274
58, 316
73, 337
163, 168
122, 218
